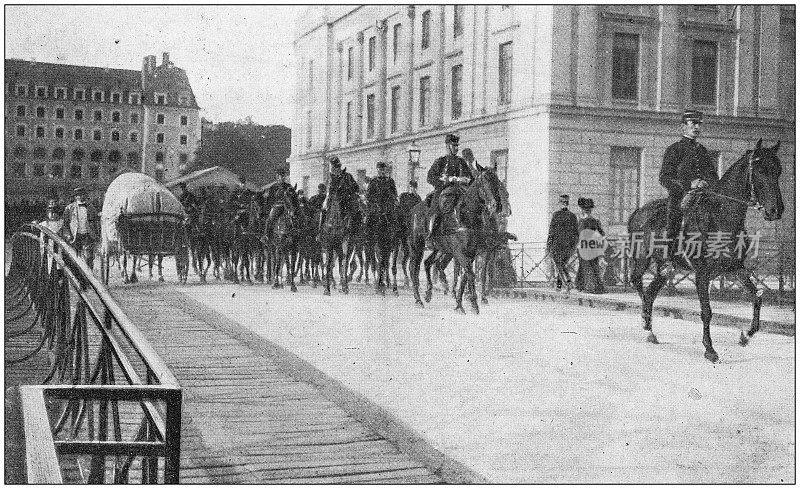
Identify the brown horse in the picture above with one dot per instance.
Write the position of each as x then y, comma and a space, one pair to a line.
751, 181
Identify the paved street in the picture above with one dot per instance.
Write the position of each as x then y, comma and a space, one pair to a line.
537, 392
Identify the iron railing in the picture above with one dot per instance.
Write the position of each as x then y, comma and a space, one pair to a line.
528, 264
109, 405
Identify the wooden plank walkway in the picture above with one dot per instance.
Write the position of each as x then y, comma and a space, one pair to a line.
247, 421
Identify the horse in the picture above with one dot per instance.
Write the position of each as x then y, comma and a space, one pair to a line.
284, 236
751, 181
463, 243
336, 236
361, 253
199, 227
309, 260
381, 242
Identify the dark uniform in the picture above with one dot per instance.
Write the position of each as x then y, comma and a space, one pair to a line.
562, 239
381, 197
408, 200
275, 199
347, 190
684, 161
316, 200
446, 194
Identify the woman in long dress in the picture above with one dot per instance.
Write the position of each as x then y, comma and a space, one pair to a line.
589, 278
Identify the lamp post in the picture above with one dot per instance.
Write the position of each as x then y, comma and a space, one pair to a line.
413, 160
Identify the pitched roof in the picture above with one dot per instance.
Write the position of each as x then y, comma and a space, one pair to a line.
72, 75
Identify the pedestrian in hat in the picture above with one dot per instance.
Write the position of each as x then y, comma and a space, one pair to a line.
409, 199
53, 219
687, 166
588, 278
562, 238
79, 217
447, 174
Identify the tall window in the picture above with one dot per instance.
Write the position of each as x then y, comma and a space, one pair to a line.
160, 137
371, 53
309, 129
97, 135
115, 116
40, 112
704, 72
504, 67
21, 131
60, 93
395, 108
60, 132
455, 94
39, 131
60, 113
115, 135
371, 115
350, 63
160, 119
75, 172
134, 118
424, 99
625, 164
625, 66
78, 135
78, 114
79, 94
115, 98
458, 20
396, 41
20, 111
98, 115
348, 122
184, 120
183, 139
426, 29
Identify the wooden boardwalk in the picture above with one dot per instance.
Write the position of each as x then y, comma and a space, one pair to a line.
245, 420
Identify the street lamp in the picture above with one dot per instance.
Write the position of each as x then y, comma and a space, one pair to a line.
413, 159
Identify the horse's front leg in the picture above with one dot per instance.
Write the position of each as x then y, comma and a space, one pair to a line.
346, 253
395, 251
276, 284
429, 262
161, 267
749, 282
702, 282
293, 261
489, 260
327, 270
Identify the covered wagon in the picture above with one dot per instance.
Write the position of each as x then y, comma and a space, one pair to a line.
141, 217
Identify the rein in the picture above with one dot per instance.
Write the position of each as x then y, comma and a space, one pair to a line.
753, 202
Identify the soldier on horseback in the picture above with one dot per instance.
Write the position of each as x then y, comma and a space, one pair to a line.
276, 195
381, 195
187, 199
344, 185
447, 175
687, 169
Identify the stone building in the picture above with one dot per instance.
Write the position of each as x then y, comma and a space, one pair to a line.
69, 126
563, 99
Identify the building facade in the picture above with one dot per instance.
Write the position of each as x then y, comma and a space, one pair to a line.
69, 126
562, 99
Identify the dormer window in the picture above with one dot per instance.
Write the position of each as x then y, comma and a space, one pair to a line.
133, 99
22, 90
41, 92
97, 95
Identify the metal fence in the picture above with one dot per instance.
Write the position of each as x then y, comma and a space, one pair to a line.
109, 405
528, 264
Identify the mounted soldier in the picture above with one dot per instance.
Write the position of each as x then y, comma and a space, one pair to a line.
345, 186
187, 199
686, 170
381, 195
408, 200
317, 200
276, 195
447, 175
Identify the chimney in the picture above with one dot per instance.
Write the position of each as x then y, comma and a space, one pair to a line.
152, 64
145, 67
165, 61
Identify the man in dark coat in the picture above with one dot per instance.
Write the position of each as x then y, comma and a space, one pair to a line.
187, 198
408, 200
317, 200
276, 195
346, 188
562, 239
381, 195
687, 166
446, 175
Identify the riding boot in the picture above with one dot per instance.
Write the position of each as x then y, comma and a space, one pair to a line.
674, 220
432, 228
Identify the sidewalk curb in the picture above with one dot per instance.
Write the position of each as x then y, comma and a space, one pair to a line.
600, 302
405, 438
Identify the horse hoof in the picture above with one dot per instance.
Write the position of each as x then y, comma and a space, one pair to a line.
484, 300
743, 339
326, 292
419, 304
249, 282
712, 356
276, 286
651, 338
160, 279
134, 279
476, 309
460, 309
396, 293
345, 291
428, 295
293, 289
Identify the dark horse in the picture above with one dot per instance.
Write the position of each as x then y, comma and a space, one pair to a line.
337, 232
381, 241
483, 196
752, 180
285, 238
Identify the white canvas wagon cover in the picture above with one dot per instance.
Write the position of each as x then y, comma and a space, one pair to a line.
134, 194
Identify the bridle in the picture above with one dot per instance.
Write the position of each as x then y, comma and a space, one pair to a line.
753, 203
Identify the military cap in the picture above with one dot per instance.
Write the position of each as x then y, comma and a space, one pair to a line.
79, 191
692, 115
451, 139
51, 204
334, 161
381, 164
564, 197
413, 183
585, 203
321, 186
